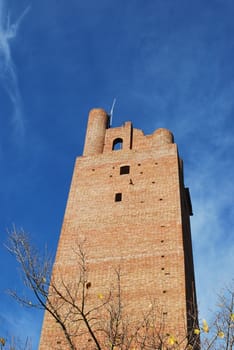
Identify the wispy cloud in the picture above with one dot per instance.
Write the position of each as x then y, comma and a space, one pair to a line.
16, 321
210, 178
191, 93
8, 73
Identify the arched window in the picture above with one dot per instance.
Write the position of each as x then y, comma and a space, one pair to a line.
117, 144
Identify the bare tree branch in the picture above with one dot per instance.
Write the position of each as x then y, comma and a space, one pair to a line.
106, 322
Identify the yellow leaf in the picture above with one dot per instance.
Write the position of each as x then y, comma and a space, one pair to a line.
171, 340
196, 331
232, 317
100, 296
2, 341
220, 334
205, 326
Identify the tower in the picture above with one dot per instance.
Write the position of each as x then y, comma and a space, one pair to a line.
128, 203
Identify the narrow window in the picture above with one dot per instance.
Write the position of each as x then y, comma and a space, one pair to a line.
117, 144
124, 170
118, 197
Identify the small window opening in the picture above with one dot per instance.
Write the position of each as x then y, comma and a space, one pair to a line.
162, 268
162, 241
118, 197
164, 291
117, 144
162, 256
124, 170
139, 164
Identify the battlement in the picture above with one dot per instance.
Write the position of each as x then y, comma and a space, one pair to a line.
100, 138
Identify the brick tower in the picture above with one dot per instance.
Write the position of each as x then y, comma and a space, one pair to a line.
128, 202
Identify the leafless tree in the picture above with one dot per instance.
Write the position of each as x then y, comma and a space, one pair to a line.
105, 323
219, 334
65, 302
14, 343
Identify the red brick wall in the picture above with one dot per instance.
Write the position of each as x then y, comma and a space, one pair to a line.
143, 234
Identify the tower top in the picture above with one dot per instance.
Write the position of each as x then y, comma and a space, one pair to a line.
100, 138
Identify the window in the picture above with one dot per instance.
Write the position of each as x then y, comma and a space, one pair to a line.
117, 144
124, 169
118, 197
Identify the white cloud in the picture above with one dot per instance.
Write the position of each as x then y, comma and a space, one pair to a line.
210, 180
21, 324
190, 94
8, 73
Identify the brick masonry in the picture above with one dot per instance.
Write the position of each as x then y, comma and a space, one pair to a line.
146, 233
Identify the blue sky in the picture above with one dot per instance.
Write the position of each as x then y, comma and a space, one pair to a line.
168, 63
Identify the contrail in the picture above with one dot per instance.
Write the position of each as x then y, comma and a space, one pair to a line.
8, 73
